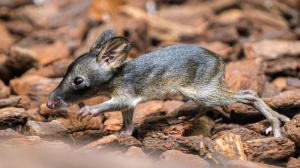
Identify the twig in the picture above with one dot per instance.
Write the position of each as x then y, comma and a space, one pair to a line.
10, 102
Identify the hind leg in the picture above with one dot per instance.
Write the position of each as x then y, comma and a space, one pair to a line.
249, 97
215, 97
258, 103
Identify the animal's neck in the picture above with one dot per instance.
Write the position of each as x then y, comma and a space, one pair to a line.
114, 85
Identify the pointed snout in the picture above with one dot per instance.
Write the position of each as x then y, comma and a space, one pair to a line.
50, 104
54, 101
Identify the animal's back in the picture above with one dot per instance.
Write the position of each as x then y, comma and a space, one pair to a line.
172, 67
173, 53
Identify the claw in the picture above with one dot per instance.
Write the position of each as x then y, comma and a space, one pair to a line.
277, 133
85, 112
269, 130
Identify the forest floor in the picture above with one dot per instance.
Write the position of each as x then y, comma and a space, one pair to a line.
259, 40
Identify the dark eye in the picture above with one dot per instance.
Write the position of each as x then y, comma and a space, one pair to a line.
78, 80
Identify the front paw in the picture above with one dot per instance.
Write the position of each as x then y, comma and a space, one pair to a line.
87, 111
126, 131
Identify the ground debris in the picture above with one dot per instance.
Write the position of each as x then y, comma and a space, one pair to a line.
258, 40
293, 129
12, 116
269, 149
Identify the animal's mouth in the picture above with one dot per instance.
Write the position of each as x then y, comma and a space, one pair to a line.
56, 103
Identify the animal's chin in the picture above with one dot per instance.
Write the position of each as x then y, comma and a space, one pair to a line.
62, 105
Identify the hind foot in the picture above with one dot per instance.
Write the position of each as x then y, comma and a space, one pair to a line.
275, 119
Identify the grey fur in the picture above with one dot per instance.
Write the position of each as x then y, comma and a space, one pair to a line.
189, 70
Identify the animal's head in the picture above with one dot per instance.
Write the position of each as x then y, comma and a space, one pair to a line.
88, 75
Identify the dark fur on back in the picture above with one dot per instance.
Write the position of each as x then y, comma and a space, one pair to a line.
169, 69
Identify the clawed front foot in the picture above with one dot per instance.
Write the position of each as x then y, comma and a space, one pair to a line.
87, 111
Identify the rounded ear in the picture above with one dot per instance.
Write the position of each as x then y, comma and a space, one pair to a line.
113, 52
105, 36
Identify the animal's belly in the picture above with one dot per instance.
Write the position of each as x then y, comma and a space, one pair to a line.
160, 93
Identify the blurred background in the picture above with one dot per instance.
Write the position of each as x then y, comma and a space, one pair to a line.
259, 40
